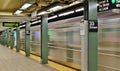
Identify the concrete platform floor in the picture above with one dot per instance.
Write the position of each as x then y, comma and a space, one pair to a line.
12, 61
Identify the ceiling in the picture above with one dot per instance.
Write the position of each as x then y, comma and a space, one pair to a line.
10, 5
8, 8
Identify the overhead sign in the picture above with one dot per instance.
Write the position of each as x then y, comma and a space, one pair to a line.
10, 24
105, 5
118, 4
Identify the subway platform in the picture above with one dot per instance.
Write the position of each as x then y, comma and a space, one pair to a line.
12, 61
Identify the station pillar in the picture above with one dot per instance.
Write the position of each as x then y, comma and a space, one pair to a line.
44, 39
7, 37
11, 38
27, 39
18, 39
90, 51
3, 37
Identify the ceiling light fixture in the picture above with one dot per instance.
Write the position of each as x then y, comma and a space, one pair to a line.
52, 17
18, 12
80, 9
55, 8
36, 22
25, 6
22, 26
41, 13
66, 13
97, 4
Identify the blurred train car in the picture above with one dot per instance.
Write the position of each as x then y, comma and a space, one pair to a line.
22, 39
109, 42
35, 40
65, 42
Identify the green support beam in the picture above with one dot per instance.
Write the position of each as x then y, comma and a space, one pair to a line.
7, 37
18, 39
1, 38
44, 39
12, 38
4, 38
9, 41
90, 17
27, 39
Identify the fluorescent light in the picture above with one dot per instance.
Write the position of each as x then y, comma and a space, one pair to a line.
41, 13
76, 2
14, 28
55, 8
18, 12
52, 17
25, 6
66, 13
36, 22
22, 26
97, 4
78, 10
38, 17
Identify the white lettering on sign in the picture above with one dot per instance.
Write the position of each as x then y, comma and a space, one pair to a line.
117, 5
117, 1
92, 25
104, 5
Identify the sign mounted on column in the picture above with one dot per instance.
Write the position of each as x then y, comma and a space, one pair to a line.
27, 32
93, 26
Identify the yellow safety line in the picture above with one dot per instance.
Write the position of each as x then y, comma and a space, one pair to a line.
65, 62
50, 63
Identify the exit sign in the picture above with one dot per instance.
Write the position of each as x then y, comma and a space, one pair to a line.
10, 24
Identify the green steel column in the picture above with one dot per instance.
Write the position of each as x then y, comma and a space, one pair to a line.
0, 38
7, 37
3, 38
27, 39
18, 39
11, 39
44, 39
90, 15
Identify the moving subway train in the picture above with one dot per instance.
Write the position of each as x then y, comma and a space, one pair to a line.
65, 42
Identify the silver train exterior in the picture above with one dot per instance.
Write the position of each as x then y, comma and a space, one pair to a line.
65, 43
